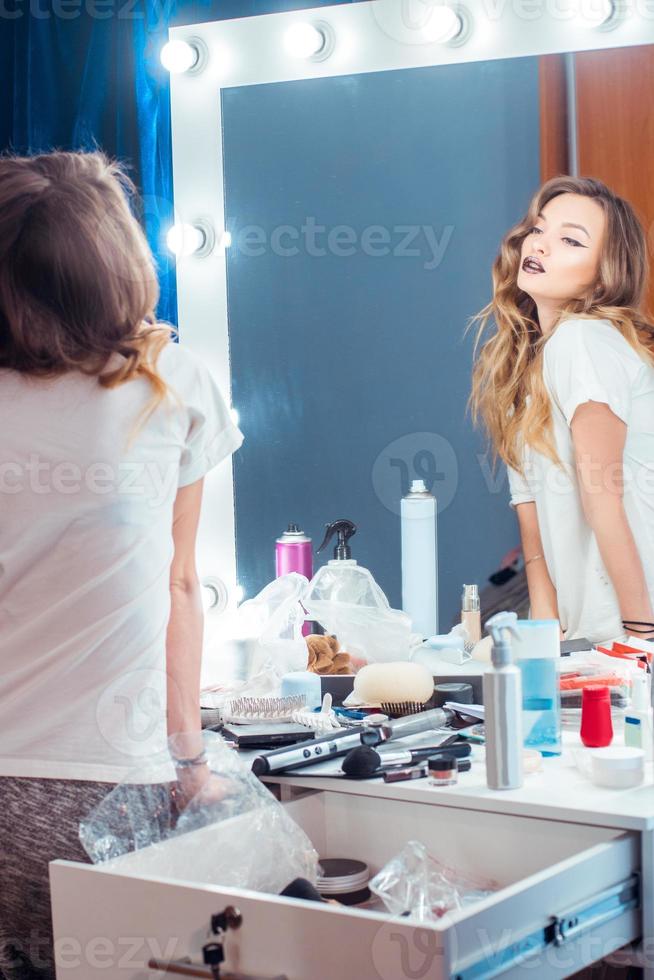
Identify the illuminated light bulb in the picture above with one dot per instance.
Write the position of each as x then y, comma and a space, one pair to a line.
306, 40
444, 25
234, 416
179, 56
184, 239
598, 13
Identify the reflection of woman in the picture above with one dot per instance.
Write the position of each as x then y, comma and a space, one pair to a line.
107, 432
565, 387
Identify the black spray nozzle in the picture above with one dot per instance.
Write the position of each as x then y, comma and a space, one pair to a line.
344, 529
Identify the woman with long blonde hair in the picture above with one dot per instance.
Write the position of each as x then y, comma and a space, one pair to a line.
106, 432
564, 383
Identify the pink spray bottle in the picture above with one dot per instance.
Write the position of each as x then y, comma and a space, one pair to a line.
294, 553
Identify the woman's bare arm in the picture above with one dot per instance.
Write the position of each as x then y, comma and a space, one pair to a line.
542, 594
184, 658
185, 626
599, 438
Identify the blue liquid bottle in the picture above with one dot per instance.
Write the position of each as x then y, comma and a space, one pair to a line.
537, 653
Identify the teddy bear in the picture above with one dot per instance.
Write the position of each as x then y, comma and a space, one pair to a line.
324, 656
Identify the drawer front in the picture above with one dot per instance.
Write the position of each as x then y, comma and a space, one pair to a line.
111, 925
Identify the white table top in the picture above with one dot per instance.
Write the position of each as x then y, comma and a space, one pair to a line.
559, 792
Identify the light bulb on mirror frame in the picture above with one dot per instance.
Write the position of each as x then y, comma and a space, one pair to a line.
184, 57
310, 40
448, 25
215, 596
601, 15
185, 239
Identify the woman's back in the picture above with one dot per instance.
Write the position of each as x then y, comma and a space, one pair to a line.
107, 432
85, 552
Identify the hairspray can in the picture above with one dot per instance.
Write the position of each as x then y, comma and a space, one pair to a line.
294, 553
420, 559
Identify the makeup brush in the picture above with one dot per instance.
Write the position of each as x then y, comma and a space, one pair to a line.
364, 761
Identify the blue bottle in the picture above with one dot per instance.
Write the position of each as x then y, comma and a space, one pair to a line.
537, 653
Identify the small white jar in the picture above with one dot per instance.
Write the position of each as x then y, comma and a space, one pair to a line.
617, 767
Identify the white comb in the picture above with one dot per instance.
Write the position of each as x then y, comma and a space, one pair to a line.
244, 711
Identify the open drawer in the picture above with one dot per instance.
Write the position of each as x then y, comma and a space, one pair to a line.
568, 896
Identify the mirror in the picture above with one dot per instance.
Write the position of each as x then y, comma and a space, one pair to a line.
354, 267
365, 207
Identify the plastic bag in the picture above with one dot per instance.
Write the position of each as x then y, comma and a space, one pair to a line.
414, 882
347, 602
232, 832
255, 645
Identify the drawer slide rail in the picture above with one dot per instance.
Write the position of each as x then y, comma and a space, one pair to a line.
604, 907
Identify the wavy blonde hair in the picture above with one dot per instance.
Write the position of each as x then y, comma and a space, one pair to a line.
508, 364
77, 278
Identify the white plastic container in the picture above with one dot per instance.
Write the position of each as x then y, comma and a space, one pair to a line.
617, 767
638, 717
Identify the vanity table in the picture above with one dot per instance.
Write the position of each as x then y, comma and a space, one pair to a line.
573, 864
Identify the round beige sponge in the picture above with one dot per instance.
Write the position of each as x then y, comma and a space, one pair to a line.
396, 682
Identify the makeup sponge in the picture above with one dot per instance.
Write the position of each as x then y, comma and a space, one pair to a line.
482, 650
396, 682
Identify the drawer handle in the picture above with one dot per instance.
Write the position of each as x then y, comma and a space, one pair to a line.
213, 953
186, 968
183, 968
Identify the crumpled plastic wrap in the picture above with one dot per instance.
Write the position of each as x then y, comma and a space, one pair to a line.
415, 883
348, 603
247, 651
223, 828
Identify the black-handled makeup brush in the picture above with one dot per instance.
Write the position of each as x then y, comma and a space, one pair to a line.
362, 762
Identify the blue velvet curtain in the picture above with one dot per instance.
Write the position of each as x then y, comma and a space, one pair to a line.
83, 74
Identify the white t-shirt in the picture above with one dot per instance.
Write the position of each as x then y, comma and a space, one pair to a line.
589, 360
85, 552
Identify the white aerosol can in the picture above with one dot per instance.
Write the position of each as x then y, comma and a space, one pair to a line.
420, 559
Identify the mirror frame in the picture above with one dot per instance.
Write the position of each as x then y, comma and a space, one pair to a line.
369, 36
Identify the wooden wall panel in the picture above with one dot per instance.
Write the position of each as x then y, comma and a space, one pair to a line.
553, 116
615, 127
